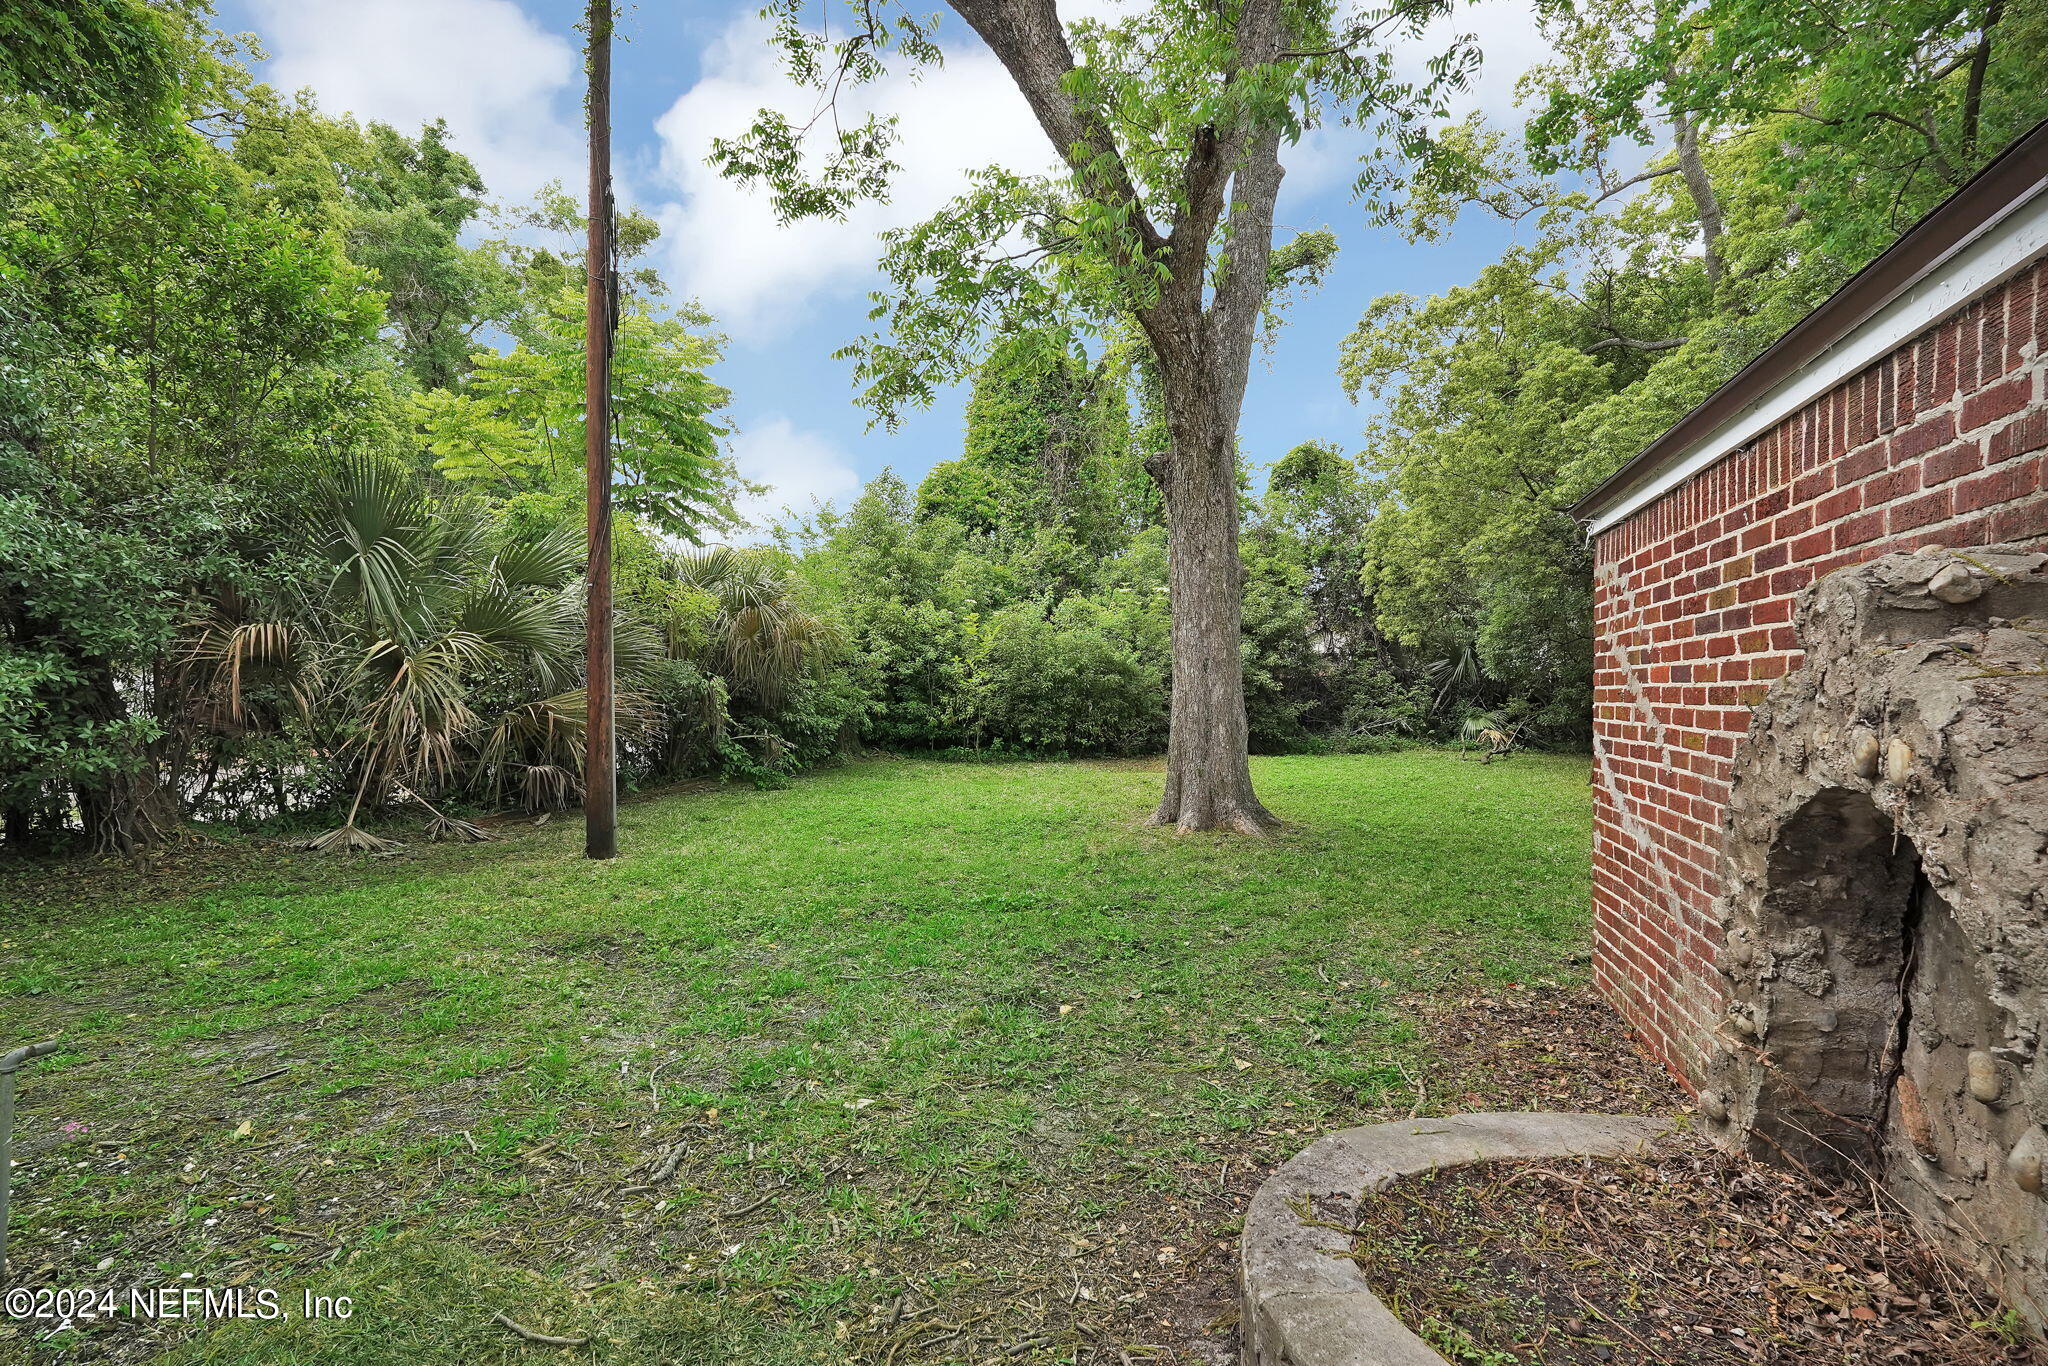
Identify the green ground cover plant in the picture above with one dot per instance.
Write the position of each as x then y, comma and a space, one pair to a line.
906, 1061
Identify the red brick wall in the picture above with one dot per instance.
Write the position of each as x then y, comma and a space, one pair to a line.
1941, 442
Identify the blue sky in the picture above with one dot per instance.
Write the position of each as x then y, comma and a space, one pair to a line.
506, 75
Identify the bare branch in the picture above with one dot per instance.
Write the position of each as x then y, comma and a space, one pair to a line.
1935, 155
1608, 192
1349, 44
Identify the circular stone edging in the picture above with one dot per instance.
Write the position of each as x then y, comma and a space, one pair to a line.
1307, 1304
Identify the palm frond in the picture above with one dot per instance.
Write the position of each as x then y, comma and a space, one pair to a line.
537, 632
349, 838
547, 561
637, 648
412, 723
535, 751
371, 521
432, 599
766, 637
223, 650
538, 745
465, 533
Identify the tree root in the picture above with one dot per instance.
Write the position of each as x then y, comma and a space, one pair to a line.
1237, 821
667, 1170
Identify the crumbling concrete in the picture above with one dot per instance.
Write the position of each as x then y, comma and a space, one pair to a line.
1885, 902
1304, 1302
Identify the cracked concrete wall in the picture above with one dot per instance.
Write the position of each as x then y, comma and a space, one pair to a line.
1885, 903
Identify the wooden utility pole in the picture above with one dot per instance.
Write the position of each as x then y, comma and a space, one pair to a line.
600, 756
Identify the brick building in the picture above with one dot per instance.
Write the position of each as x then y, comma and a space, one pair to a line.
1909, 409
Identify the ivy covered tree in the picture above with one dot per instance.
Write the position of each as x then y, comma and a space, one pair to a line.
1021, 461
1048, 446
1319, 500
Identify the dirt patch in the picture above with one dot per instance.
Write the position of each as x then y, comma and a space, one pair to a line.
1535, 1048
1687, 1257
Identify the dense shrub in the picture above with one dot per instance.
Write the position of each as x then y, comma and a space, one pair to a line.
1062, 678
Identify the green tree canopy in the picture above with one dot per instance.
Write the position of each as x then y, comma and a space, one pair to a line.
1786, 145
517, 424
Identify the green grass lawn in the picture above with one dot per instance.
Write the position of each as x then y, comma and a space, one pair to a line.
906, 1062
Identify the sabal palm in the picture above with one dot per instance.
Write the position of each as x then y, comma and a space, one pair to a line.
426, 598
232, 644
763, 638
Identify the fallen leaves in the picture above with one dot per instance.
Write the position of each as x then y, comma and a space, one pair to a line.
1687, 1258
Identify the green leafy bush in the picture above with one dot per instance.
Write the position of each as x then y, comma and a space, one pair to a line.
1062, 679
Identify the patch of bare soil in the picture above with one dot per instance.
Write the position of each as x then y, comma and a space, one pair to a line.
1687, 1257
1535, 1048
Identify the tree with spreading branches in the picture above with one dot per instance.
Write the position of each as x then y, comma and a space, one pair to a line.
1171, 124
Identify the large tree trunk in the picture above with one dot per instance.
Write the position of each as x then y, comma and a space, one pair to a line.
1208, 776
127, 809
1205, 359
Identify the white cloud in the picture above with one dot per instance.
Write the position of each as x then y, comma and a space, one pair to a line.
1509, 39
723, 244
507, 87
509, 90
1327, 158
724, 247
798, 466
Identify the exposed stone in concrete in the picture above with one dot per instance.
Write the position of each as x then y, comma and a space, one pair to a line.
1305, 1304
1885, 898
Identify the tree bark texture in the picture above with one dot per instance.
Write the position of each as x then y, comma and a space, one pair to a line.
1700, 186
1208, 771
1205, 360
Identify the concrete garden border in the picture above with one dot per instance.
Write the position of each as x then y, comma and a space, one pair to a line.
1304, 1306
